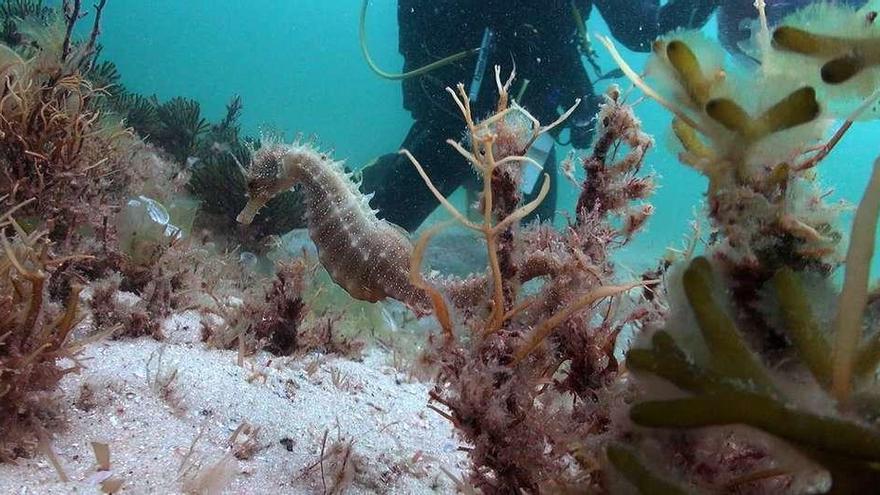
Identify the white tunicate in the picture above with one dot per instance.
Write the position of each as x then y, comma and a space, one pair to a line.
144, 228
157, 212
248, 259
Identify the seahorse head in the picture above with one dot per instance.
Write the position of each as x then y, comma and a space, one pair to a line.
265, 178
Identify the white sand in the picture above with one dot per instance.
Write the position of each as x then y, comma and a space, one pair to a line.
400, 442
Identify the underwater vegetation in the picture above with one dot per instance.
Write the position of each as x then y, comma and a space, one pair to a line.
523, 375
210, 156
500, 350
769, 363
843, 47
52, 70
34, 337
14, 11
272, 317
214, 156
750, 371
55, 148
65, 167
96, 228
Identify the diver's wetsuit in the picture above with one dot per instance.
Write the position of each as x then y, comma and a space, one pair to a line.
540, 37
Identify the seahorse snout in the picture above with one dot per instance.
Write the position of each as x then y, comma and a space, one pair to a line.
250, 210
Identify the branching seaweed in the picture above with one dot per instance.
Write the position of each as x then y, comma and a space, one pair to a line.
506, 364
527, 350
55, 146
14, 11
181, 126
34, 337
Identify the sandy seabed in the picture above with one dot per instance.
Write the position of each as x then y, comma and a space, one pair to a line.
169, 412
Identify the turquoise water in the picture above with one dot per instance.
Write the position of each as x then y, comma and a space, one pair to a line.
296, 64
298, 67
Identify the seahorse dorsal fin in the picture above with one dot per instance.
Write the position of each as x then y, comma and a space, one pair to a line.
398, 228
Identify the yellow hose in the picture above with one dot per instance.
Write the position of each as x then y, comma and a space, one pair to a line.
362, 36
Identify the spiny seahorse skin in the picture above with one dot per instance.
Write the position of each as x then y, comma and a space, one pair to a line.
366, 256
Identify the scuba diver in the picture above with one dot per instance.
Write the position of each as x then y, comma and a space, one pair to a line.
544, 41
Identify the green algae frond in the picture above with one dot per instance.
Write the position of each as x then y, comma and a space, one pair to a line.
735, 388
628, 463
729, 353
747, 344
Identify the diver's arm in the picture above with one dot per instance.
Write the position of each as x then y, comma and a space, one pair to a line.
574, 83
637, 23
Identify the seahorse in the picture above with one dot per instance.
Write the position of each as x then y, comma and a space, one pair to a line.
367, 256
